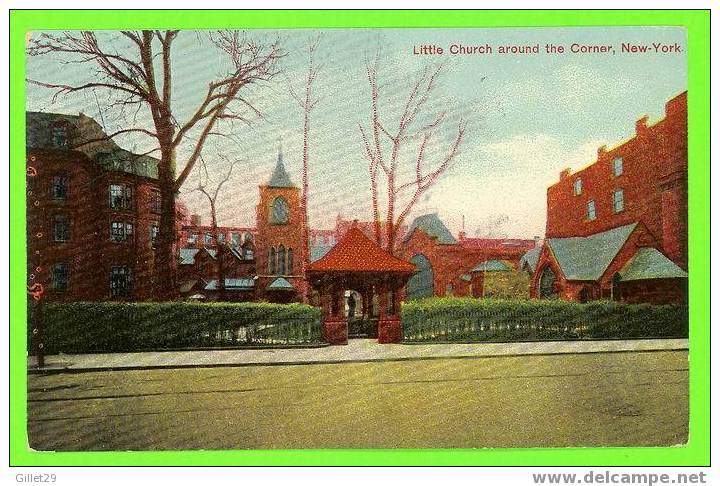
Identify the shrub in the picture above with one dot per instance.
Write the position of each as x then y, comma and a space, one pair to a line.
88, 327
487, 320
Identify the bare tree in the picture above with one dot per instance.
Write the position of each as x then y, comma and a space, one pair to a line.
417, 126
212, 196
141, 77
307, 102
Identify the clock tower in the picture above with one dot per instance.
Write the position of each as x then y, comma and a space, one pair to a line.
279, 239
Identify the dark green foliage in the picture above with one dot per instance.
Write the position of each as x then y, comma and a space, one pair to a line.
91, 327
449, 319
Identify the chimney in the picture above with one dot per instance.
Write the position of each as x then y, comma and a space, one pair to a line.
564, 174
537, 240
462, 235
602, 150
641, 125
195, 220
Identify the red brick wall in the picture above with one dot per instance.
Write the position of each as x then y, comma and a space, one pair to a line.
89, 252
651, 291
274, 235
450, 262
653, 157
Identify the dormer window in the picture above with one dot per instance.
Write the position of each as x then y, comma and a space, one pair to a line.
59, 136
577, 187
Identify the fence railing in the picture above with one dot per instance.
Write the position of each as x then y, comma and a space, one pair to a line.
463, 320
290, 332
99, 327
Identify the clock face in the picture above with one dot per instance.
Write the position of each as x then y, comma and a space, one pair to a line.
280, 211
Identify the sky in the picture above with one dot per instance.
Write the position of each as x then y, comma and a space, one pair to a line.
528, 115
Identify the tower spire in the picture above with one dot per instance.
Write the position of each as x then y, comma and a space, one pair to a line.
280, 148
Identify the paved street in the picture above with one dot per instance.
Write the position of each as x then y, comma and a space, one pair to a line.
598, 399
357, 350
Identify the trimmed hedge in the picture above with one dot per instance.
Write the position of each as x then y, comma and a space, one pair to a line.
92, 327
451, 319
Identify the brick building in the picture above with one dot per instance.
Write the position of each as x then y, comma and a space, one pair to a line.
93, 212
618, 228
260, 263
449, 266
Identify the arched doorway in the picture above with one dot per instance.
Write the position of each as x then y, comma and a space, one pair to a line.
547, 284
361, 313
421, 283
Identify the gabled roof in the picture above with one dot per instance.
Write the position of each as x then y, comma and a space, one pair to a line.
319, 250
587, 258
188, 255
530, 258
355, 252
105, 152
280, 284
649, 263
232, 284
38, 129
492, 266
280, 177
431, 225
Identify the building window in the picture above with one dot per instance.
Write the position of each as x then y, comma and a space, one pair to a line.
271, 261
591, 210
121, 231
59, 277
618, 200
192, 239
59, 136
154, 232
279, 211
281, 260
449, 289
208, 239
121, 196
618, 166
249, 254
155, 201
577, 187
289, 261
235, 239
61, 228
59, 187
120, 282
221, 238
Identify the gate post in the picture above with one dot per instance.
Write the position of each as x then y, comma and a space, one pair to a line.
335, 326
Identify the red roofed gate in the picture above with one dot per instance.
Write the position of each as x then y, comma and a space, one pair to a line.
358, 263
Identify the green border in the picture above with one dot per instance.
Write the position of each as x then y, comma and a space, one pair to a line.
696, 453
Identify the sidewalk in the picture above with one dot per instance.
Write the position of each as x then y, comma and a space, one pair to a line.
357, 350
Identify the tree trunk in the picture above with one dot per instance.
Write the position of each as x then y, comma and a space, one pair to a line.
165, 283
304, 231
220, 253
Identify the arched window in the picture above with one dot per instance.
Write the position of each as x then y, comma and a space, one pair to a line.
289, 261
279, 211
547, 284
271, 260
281, 260
421, 283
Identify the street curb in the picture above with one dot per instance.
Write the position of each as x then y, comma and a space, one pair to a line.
52, 371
